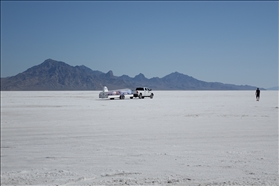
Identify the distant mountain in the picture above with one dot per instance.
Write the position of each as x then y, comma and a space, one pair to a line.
57, 75
273, 88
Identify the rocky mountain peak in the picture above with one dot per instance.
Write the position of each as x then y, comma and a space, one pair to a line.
140, 76
109, 74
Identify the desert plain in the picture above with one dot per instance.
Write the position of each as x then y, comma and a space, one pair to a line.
196, 138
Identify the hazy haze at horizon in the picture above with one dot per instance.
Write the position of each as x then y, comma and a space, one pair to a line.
228, 42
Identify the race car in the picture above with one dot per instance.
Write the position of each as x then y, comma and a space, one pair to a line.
120, 93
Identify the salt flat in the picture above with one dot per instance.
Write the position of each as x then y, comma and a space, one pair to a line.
177, 138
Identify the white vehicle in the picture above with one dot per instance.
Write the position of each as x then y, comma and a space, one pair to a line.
120, 93
142, 92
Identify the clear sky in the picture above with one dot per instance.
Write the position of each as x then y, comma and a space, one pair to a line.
228, 42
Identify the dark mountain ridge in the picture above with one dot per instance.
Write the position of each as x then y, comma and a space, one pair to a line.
57, 75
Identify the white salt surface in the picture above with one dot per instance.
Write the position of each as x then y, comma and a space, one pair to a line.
177, 138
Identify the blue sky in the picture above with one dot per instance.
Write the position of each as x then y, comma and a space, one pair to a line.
228, 42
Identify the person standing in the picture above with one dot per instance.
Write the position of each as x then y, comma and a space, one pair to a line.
258, 94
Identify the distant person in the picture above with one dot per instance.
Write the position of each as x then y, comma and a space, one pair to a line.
258, 94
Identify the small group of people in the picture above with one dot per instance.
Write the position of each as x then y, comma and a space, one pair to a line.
257, 93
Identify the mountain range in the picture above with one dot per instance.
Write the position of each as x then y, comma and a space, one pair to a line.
273, 88
57, 75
